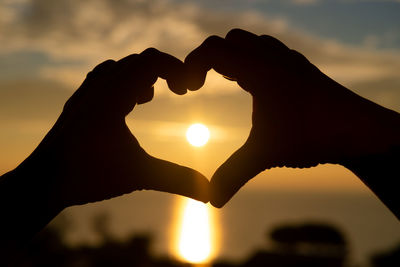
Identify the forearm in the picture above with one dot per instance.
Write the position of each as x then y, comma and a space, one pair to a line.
381, 173
377, 162
27, 202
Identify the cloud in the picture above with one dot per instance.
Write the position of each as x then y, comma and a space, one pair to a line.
304, 2
68, 28
77, 35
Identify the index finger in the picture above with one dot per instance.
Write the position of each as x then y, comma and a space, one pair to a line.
217, 53
167, 67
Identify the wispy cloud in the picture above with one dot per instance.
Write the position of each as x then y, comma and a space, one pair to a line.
77, 35
304, 2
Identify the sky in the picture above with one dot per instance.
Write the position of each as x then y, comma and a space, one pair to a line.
47, 48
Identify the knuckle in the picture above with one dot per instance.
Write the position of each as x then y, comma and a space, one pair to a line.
212, 40
150, 51
297, 55
90, 74
211, 43
67, 105
128, 60
102, 66
108, 62
267, 37
274, 42
232, 34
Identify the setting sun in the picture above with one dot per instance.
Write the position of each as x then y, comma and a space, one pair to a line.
197, 134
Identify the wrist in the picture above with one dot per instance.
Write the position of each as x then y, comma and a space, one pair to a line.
373, 151
375, 131
28, 201
40, 174
357, 127
379, 172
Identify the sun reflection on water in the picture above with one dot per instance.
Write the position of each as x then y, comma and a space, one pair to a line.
195, 233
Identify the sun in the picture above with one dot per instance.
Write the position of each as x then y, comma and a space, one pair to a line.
197, 134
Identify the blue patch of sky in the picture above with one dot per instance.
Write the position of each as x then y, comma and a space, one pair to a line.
27, 64
21, 64
350, 22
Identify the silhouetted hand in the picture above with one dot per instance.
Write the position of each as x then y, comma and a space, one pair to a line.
300, 116
90, 154
95, 152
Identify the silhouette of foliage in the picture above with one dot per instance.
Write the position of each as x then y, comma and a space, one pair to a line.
293, 245
389, 258
48, 249
308, 244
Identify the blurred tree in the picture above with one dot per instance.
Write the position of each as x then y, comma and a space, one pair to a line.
101, 226
309, 239
48, 249
308, 245
390, 258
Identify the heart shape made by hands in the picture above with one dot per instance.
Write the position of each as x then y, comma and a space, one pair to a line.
295, 119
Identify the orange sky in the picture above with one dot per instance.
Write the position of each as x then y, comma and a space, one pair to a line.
160, 127
47, 47
46, 58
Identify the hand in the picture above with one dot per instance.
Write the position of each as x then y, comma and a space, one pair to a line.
91, 155
301, 117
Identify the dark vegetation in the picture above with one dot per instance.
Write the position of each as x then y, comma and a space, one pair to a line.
289, 245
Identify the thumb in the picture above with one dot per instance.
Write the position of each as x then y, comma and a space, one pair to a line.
165, 176
237, 170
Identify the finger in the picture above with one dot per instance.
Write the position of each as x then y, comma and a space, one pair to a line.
273, 43
244, 39
169, 177
236, 171
132, 83
167, 67
136, 73
215, 52
270, 49
254, 43
100, 70
145, 95
103, 67
83, 90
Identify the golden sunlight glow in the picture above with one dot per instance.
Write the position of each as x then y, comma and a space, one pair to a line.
195, 236
197, 134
